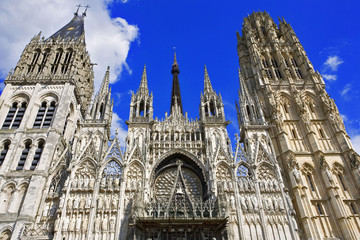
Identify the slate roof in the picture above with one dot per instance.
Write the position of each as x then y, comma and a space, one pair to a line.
71, 31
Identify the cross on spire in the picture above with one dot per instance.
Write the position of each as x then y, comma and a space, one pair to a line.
77, 10
86, 8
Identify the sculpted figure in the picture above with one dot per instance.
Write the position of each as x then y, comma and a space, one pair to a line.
248, 204
84, 224
112, 224
97, 223
92, 183
72, 224
281, 204
100, 203
86, 183
296, 174
62, 199
329, 175
107, 202
78, 223
114, 202
88, 202
65, 224
80, 182
117, 183
74, 183
76, 202
232, 202
275, 204
103, 183
104, 224
70, 203
82, 202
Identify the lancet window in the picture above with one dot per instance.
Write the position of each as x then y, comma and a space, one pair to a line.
276, 68
15, 115
34, 60
4, 151
56, 62
266, 66
67, 60
24, 155
37, 155
296, 68
45, 115
44, 60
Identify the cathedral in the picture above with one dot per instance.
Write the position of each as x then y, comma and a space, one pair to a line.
293, 173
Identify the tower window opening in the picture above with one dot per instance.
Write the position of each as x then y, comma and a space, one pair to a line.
67, 60
310, 182
353, 208
311, 108
286, 108
142, 108
265, 63
4, 151
293, 62
212, 109
268, 74
274, 63
278, 73
341, 180
101, 111
298, 73
45, 115
248, 111
321, 133
37, 155
44, 60
287, 63
24, 155
56, 63
294, 134
34, 61
15, 115
319, 208
66, 122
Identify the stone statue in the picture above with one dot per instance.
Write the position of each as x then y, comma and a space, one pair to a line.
78, 223
255, 202
114, 202
62, 199
82, 202
296, 174
100, 203
92, 183
281, 204
232, 202
97, 223
65, 224
88, 202
84, 224
112, 224
86, 183
76, 202
104, 224
72, 224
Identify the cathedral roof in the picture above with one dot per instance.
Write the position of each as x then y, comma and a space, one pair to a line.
71, 31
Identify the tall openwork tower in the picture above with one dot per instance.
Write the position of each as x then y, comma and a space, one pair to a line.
54, 140
318, 163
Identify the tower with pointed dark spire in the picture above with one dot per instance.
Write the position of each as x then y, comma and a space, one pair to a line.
175, 91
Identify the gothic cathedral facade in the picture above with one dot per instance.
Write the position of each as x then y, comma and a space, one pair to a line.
292, 175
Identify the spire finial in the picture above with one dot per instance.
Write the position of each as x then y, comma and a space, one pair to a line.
143, 83
175, 62
86, 8
207, 83
77, 10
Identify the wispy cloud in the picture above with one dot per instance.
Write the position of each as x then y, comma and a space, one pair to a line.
108, 39
356, 143
330, 77
330, 67
333, 63
345, 90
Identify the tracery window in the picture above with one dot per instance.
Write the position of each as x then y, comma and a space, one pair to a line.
37, 155
4, 151
276, 68
15, 115
243, 171
266, 65
320, 209
309, 178
24, 155
45, 115
112, 170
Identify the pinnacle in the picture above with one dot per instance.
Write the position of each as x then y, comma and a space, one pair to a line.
143, 83
207, 83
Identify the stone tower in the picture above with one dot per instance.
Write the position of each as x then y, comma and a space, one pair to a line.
54, 140
290, 106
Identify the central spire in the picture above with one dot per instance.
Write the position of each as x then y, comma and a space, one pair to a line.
175, 93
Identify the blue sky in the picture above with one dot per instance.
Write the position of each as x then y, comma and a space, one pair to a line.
204, 32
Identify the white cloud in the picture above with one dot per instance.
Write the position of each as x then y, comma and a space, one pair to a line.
345, 90
117, 123
344, 117
329, 77
333, 62
356, 143
108, 40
